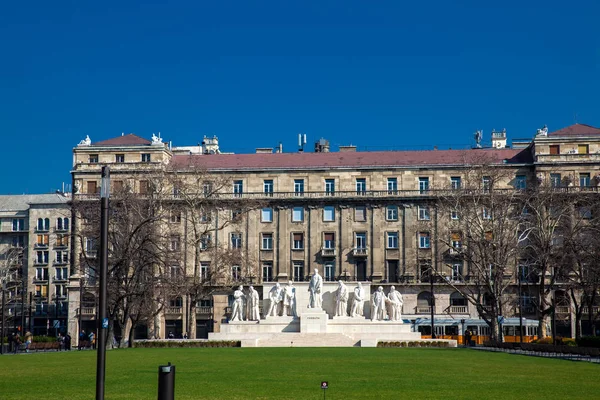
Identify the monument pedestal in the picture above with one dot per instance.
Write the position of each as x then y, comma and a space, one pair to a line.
313, 321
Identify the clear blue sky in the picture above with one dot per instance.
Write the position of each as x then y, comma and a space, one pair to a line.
371, 73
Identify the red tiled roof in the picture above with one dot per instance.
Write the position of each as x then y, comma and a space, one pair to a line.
576, 130
376, 159
126, 140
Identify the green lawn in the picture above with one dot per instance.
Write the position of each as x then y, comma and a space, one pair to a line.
284, 373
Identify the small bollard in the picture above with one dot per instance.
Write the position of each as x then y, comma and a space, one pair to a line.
166, 382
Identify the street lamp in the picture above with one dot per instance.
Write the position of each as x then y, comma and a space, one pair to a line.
102, 317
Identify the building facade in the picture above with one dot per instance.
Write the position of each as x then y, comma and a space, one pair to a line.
35, 253
356, 216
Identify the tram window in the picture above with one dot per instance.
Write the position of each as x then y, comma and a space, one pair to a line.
424, 329
474, 329
484, 330
509, 331
451, 330
517, 331
439, 330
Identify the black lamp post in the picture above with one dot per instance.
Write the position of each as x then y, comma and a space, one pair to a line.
102, 315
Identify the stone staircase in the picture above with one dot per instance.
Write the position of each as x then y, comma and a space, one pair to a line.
308, 340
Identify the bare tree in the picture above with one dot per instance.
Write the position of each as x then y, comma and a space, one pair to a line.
487, 233
138, 254
205, 204
11, 260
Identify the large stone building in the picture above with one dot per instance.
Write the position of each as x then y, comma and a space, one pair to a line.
35, 252
357, 216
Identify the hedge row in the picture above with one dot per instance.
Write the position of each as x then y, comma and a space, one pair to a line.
589, 341
186, 343
414, 344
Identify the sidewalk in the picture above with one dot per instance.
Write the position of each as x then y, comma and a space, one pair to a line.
570, 357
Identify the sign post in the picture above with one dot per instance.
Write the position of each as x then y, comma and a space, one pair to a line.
324, 386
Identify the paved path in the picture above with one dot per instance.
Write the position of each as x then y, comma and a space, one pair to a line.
570, 357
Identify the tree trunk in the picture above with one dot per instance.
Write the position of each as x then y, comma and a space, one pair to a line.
192, 321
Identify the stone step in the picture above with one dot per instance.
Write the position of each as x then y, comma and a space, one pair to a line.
308, 340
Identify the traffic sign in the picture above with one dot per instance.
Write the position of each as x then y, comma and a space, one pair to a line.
324, 385
105, 323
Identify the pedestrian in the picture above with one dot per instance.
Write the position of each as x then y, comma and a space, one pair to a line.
185, 335
28, 341
92, 338
17, 342
61, 341
467, 337
68, 342
82, 339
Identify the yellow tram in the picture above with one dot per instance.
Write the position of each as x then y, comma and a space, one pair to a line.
479, 329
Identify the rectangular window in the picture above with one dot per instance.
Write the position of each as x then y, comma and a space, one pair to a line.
329, 271
584, 180
207, 188
18, 225
205, 241
423, 185
486, 183
585, 212
174, 243
117, 186
175, 217
361, 240
299, 187
93, 159
204, 270
424, 240
454, 215
298, 214
424, 214
298, 241
42, 240
392, 240
236, 272
329, 186
41, 274
62, 224
92, 187
555, 180
361, 185
267, 241
266, 215
120, 158
238, 188
18, 241
60, 290
391, 213
554, 149
268, 186
520, 182
455, 182
298, 271
455, 242
146, 157
457, 272
360, 214
392, 185
486, 213
267, 272
328, 213
583, 149
144, 187
236, 240
61, 274
62, 257
329, 240
42, 257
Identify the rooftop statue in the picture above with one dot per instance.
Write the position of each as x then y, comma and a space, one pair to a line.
85, 142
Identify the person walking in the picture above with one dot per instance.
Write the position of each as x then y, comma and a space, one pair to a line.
28, 341
68, 342
92, 338
82, 339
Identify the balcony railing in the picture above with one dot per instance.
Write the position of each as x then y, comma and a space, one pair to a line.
88, 310
204, 310
459, 310
174, 310
562, 310
416, 193
327, 252
360, 252
586, 310
424, 310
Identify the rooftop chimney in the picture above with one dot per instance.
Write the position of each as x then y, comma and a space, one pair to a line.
264, 150
322, 146
346, 149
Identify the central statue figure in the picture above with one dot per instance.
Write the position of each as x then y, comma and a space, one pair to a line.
315, 287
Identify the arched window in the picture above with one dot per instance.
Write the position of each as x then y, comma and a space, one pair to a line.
47, 224
424, 300
457, 299
40, 224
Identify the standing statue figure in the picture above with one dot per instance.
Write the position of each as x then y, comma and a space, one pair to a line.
252, 311
237, 312
396, 302
289, 299
478, 135
315, 286
358, 301
341, 300
378, 305
275, 298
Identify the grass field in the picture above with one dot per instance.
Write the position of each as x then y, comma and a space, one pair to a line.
285, 373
